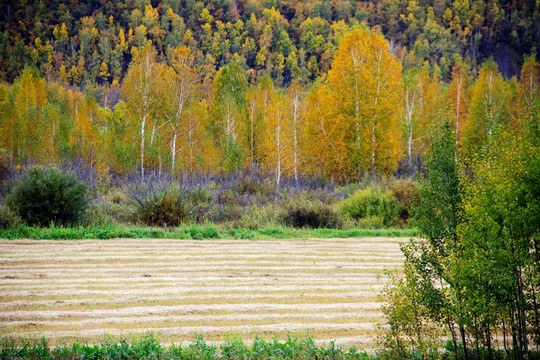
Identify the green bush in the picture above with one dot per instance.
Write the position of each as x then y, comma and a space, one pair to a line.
148, 346
371, 222
8, 219
258, 217
48, 195
200, 232
168, 207
113, 208
372, 203
406, 193
310, 213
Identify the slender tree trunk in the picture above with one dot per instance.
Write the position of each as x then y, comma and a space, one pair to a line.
278, 143
373, 152
409, 148
458, 101
191, 145
515, 342
449, 322
159, 169
295, 139
505, 342
173, 149
251, 133
488, 340
463, 341
523, 323
143, 124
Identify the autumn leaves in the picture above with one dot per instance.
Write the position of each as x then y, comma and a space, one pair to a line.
344, 127
172, 115
359, 127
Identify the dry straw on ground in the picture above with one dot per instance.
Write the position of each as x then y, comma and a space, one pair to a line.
85, 289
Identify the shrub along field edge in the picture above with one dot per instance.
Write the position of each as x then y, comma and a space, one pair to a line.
195, 232
149, 347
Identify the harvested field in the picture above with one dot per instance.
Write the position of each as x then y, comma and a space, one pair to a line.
68, 290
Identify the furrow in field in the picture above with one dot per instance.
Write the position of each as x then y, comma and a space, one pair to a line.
224, 321
333, 268
187, 308
178, 288
140, 276
205, 329
127, 299
13, 264
336, 316
70, 290
80, 294
206, 312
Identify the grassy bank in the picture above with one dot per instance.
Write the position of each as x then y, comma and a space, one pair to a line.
149, 347
197, 232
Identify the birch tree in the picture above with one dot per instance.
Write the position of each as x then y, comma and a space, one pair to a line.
329, 153
457, 97
141, 93
230, 87
489, 106
412, 110
528, 90
277, 138
295, 96
181, 89
365, 81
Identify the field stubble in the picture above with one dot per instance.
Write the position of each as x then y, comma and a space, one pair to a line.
323, 288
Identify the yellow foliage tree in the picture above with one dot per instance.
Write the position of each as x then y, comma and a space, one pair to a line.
142, 91
180, 96
457, 100
365, 84
277, 138
329, 153
489, 106
528, 89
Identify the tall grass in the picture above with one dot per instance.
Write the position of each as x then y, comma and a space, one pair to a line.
148, 347
196, 232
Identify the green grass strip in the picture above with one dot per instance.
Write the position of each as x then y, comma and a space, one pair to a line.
197, 232
149, 347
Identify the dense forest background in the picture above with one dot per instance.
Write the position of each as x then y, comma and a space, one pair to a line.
90, 43
280, 95
219, 86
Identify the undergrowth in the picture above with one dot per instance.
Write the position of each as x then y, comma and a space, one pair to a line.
196, 232
149, 347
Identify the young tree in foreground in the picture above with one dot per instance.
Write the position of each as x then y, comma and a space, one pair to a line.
430, 260
501, 238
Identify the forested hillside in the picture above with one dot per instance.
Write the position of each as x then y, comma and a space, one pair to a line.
84, 43
254, 118
335, 89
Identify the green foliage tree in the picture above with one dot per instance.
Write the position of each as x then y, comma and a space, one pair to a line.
48, 195
438, 213
501, 237
229, 101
